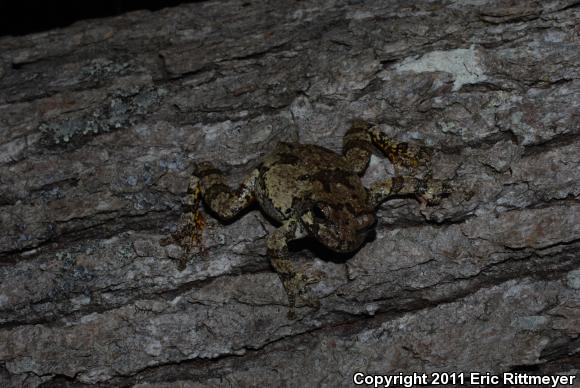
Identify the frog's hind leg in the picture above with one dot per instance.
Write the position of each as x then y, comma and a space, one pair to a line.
401, 154
293, 280
209, 183
219, 197
428, 191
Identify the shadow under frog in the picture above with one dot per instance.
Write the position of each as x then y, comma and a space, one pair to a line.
312, 193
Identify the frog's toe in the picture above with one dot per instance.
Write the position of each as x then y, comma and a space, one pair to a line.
291, 314
417, 156
311, 278
165, 241
182, 263
305, 297
435, 192
427, 200
311, 302
447, 188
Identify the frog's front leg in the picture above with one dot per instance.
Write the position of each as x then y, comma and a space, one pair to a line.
362, 136
401, 154
428, 191
293, 280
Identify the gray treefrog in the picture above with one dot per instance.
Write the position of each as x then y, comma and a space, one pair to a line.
310, 191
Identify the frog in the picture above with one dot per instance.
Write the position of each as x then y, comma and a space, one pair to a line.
309, 191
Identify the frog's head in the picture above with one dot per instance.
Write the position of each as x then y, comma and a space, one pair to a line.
339, 227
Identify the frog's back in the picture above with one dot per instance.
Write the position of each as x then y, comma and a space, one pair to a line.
295, 175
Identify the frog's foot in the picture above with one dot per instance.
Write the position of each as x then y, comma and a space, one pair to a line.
188, 236
432, 191
311, 302
415, 157
192, 240
311, 278
165, 241
296, 285
190, 227
308, 300
301, 295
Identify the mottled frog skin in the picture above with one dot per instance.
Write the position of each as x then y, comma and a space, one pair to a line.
317, 188
309, 191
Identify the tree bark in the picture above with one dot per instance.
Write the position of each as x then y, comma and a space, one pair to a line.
100, 123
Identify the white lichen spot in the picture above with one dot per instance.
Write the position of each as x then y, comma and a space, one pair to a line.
95, 375
22, 365
516, 117
371, 308
10, 151
530, 322
360, 15
572, 279
448, 127
366, 336
555, 36
89, 318
80, 301
212, 132
3, 301
103, 205
301, 108
464, 64
153, 348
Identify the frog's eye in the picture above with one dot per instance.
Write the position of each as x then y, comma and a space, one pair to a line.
318, 212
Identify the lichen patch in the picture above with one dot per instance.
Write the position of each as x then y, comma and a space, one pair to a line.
464, 64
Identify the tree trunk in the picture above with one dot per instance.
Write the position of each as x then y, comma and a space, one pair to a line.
100, 123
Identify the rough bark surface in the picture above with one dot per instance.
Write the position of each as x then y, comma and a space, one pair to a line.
100, 123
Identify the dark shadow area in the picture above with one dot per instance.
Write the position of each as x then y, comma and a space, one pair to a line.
307, 243
25, 17
323, 252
